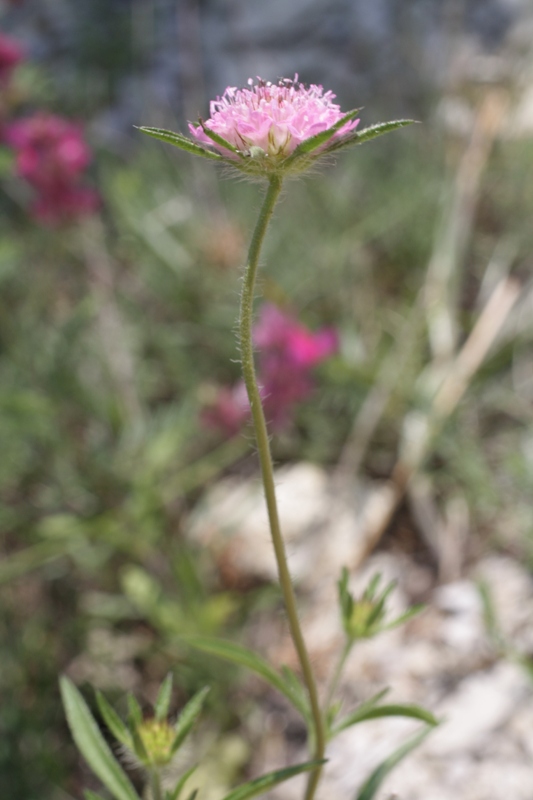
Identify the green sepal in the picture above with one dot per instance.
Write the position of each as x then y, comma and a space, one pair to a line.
162, 703
370, 787
363, 714
266, 782
409, 614
175, 793
314, 142
217, 139
92, 744
188, 717
238, 654
138, 746
113, 721
135, 714
170, 137
370, 133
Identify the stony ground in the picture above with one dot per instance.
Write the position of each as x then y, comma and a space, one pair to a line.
443, 659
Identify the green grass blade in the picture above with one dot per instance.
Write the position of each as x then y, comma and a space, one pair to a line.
162, 703
113, 721
92, 745
266, 782
188, 717
244, 657
370, 787
393, 710
91, 795
135, 713
176, 139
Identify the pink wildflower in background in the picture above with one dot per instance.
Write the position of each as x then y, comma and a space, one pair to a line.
275, 118
287, 353
11, 54
52, 155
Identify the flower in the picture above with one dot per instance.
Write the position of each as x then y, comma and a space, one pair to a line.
287, 353
11, 54
270, 119
51, 155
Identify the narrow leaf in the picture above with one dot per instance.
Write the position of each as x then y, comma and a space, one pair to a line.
170, 137
174, 795
113, 721
238, 654
370, 787
370, 133
92, 745
392, 710
188, 717
309, 145
266, 782
162, 703
219, 139
91, 795
299, 695
411, 612
135, 711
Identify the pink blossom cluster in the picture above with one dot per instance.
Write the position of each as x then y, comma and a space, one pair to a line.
288, 351
275, 118
52, 155
11, 54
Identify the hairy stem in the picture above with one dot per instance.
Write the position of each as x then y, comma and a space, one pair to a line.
263, 447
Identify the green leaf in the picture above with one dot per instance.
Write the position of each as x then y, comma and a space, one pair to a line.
309, 145
162, 703
92, 745
370, 133
238, 654
266, 782
299, 693
170, 137
363, 714
174, 795
135, 713
370, 787
91, 795
219, 139
188, 717
363, 707
113, 721
411, 612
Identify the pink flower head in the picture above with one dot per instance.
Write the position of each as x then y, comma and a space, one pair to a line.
275, 118
287, 353
11, 54
277, 330
52, 156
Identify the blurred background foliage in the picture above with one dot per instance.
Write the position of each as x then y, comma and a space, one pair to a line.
117, 328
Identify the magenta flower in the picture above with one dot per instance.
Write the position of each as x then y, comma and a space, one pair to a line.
11, 53
287, 353
52, 155
271, 118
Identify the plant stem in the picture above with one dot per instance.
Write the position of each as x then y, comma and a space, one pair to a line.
337, 674
267, 472
155, 785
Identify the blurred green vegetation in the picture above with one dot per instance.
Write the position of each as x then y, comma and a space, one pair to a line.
113, 334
